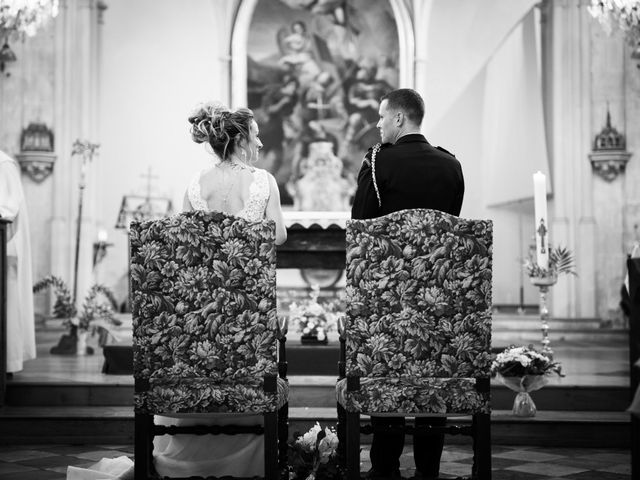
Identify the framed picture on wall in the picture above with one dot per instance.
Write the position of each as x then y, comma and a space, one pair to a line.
315, 73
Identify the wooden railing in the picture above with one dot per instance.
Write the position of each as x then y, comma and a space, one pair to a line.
3, 309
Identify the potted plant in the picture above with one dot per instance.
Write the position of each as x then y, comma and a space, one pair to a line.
96, 317
524, 370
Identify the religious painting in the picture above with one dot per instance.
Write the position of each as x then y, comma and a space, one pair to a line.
316, 71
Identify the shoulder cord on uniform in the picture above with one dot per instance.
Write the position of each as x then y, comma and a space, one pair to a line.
375, 151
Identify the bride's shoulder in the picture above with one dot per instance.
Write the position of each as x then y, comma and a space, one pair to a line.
261, 172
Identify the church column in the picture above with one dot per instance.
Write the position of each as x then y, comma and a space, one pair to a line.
421, 16
608, 112
76, 103
573, 222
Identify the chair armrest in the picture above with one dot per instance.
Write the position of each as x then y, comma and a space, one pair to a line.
353, 384
483, 384
270, 383
283, 328
342, 337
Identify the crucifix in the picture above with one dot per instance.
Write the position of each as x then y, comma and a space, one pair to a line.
542, 231
149, 176
319, 106
145, 210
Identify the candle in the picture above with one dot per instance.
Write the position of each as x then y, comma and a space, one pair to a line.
541, 224
102, 236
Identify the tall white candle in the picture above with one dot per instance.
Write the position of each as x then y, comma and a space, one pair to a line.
541, 224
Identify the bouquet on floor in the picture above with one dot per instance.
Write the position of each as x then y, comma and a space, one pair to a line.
314, 455
524, 370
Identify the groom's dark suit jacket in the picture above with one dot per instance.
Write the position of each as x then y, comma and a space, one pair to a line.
410, 174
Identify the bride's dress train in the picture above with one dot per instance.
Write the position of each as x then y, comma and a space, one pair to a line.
235, 455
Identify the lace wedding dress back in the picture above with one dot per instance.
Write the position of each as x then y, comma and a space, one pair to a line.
254, 207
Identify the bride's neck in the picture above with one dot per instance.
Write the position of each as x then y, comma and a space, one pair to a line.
235, 161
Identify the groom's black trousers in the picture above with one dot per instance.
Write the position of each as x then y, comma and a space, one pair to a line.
386, 448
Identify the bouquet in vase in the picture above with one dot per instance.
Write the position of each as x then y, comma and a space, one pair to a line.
314, 455
524, 370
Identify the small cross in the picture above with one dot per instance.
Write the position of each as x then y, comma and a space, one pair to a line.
319, 106
542, 231
149, 177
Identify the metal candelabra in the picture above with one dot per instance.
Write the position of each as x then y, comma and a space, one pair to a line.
543, 284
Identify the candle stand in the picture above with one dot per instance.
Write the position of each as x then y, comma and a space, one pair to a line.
543, 284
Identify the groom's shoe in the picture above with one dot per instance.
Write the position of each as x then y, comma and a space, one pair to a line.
377, 475
419, 476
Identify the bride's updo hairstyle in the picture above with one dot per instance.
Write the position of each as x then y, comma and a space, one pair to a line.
221, 128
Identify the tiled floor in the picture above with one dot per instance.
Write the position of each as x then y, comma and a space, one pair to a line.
49, 462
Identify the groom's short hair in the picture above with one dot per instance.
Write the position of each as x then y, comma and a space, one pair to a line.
408, 101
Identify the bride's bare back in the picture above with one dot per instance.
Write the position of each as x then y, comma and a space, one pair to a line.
232, 189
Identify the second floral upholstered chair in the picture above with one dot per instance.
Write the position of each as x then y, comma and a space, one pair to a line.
205, 332
418, 327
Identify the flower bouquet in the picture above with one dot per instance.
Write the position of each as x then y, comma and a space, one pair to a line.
313, 319
314, 455
560, 262
524, 370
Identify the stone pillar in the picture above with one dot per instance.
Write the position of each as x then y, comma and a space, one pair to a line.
76, 104
631, 178
573, 223
608, 160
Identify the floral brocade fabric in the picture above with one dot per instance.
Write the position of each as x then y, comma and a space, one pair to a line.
418, 313
204, 314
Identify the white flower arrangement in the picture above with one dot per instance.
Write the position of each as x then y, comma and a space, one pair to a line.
314, 454
313, 319
521, 361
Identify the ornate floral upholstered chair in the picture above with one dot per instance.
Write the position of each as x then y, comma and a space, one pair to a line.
205, 329
418, 327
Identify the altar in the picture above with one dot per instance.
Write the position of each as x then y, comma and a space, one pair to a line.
314, 240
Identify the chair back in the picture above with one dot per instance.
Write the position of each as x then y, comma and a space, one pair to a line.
419, 309
204, 316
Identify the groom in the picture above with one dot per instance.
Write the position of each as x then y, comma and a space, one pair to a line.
409, 173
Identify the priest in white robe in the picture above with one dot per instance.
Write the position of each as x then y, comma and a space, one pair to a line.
21, 343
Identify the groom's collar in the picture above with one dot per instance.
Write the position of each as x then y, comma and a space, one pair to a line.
411, 137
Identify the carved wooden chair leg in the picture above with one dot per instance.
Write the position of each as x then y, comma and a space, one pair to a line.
271, 445
342, 436
353, 445
143, 447
481, 446
283, 436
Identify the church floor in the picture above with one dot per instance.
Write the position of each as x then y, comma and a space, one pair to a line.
49, 462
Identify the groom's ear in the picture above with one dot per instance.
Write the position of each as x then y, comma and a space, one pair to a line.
399, 119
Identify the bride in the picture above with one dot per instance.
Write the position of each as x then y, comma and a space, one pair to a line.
233, 185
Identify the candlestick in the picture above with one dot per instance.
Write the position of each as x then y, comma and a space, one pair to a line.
541, 224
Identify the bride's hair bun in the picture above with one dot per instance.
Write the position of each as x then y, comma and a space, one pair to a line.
214, 123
